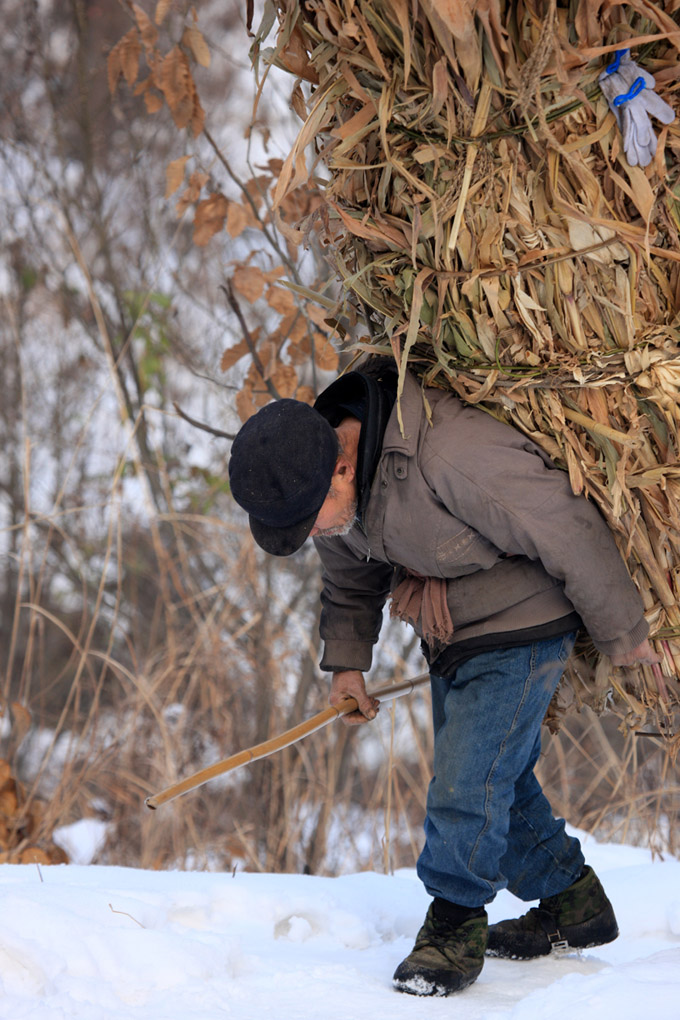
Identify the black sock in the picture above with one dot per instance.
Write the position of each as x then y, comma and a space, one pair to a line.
454, 913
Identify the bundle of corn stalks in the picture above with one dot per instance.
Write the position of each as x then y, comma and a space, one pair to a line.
480, 209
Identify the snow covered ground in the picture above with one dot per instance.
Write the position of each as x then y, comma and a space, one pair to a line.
102, 943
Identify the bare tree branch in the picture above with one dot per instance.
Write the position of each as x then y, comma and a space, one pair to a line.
200, 425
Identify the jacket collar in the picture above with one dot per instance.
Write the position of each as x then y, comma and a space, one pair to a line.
371, 401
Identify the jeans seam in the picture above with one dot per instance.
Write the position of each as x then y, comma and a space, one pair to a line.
487, 782
527, 822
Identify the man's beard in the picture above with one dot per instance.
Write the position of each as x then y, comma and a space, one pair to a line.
345, 527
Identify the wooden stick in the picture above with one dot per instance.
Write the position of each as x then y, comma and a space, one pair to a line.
344, 707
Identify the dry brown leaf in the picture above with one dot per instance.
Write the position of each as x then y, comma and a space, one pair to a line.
153, 101
234, 354
21, 722
325, 354
299, 353
147, 29
284, 379
306, 394
177, 85
162, 9
356, 123
114, 67
250, 282
8, 801
209, 218
245, 405
34, 855
317, 314
296, 60
130, 51
281, 300
441, 86
197, 181
174, 175
192, 38
238, 218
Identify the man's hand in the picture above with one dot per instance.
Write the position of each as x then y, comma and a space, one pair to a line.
643, 655
350, 684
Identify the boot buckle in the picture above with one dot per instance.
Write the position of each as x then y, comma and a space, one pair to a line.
556, 941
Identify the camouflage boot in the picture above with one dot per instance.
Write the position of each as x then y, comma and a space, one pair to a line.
577, 918
448, 954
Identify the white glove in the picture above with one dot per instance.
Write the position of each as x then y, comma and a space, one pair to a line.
629, 90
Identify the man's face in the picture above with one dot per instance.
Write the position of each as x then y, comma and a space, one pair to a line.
338, 512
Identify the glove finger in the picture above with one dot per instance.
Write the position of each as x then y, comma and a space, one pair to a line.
629, 137
633, 140
658, 107
643, 144
630, 152
642, 126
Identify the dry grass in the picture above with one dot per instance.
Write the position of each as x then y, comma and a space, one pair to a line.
621, 788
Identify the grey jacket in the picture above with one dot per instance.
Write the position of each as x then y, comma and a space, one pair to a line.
470, 499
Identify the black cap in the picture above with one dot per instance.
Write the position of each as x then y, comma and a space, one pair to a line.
280, 472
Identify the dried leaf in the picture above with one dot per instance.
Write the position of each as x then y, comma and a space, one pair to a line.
238, 218
284, 379
280, 300
295, 58
306, 394
177, 85
325, 354
209, 218
162, 9
234, 354
114, 67
197, 181
174, 175
130, 50
34, 855
153, 102
245, 405
147, 29
441, 86
250, 282
8, 800
192, 38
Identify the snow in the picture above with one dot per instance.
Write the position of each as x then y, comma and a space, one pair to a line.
113, 943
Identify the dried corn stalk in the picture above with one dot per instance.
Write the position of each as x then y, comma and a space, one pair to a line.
479, 207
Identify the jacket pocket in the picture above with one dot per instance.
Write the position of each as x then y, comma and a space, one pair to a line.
465, 552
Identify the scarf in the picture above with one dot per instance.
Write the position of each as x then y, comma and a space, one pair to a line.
421, 601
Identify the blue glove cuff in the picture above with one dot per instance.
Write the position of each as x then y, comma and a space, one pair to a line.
618, 57
635, 90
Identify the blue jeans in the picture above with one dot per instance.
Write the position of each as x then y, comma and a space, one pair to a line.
488, 824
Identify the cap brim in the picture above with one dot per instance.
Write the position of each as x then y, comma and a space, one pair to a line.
282, 541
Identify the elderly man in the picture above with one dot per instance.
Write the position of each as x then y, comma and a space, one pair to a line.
482, 546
